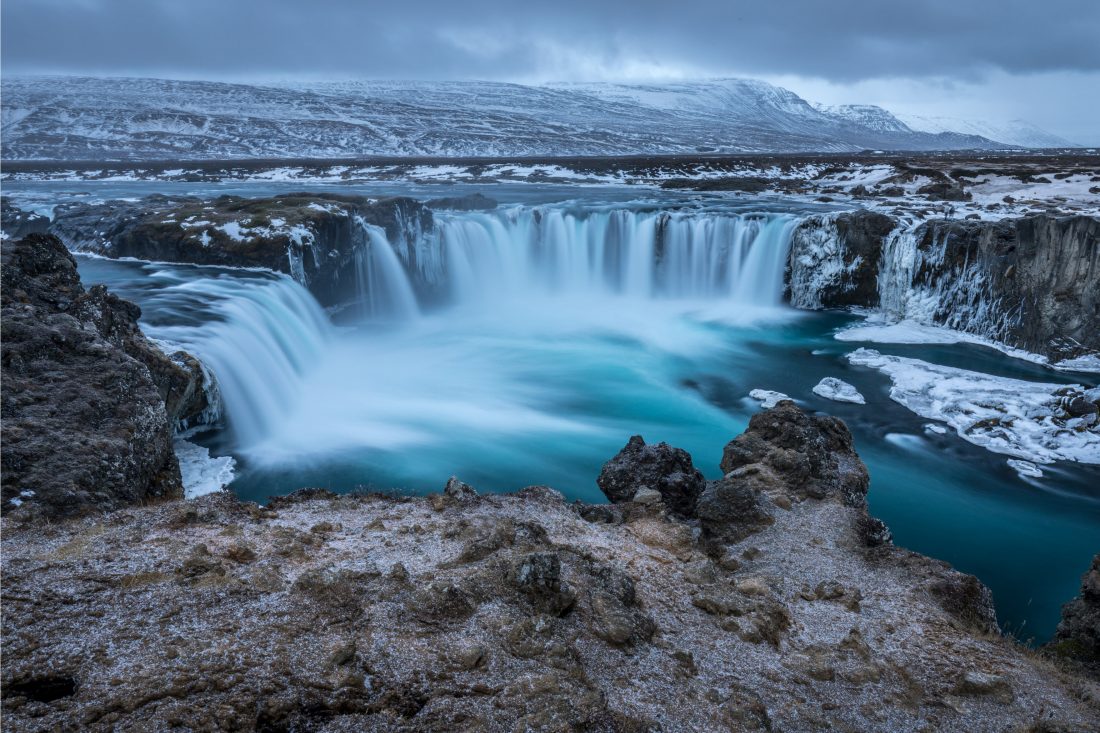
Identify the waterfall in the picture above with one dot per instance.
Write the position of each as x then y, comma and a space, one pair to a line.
260, 335
382, 287
522, 252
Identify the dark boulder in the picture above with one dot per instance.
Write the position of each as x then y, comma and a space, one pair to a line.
659, 467
539, 576
944, 191
88, 404
808, 455
732, 507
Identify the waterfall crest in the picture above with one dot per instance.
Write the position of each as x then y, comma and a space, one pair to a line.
477, 257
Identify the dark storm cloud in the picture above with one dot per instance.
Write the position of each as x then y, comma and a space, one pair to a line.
840, 40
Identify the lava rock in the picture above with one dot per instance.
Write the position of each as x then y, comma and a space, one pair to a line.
659, 467
539, 576
731, 508
809, 456
89, 403
17, 223
459, 490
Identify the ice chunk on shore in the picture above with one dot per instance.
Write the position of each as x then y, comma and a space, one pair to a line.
202, 473
769, 398
1010, 416
837, 390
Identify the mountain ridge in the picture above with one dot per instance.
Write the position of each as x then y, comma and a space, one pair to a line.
113, 118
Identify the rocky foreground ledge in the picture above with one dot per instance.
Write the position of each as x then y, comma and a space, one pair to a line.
767, 600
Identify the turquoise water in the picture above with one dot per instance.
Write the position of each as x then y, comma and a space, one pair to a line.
543, 390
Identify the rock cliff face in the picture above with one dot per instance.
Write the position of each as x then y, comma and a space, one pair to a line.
89, 404
1032, 282
766, 609
834, 260
315, 238
1078, 634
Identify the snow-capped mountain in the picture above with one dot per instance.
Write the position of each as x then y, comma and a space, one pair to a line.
1012, 132
870, 116
69, 118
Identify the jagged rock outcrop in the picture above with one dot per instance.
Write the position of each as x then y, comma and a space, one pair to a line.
1078, 634
809, 455
89, 404
316, 238
639, 468
489, 612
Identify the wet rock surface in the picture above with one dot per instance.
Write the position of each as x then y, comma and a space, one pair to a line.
835, 259
314, 237
16, 223
460, 611
1030, 282
89, 404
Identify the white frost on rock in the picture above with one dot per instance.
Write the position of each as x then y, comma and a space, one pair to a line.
769, 398
1009, 416
837, 390
202, 473
817, 260
1026, 469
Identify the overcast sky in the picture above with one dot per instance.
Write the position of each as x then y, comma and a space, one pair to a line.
1032, 59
